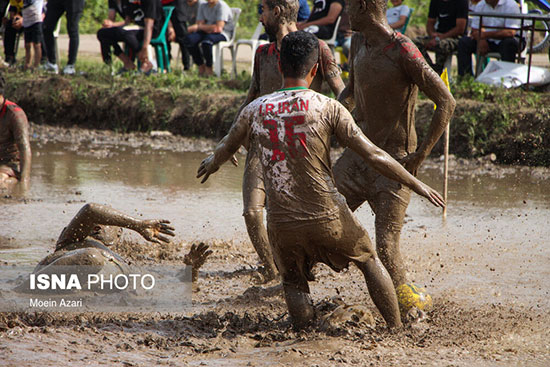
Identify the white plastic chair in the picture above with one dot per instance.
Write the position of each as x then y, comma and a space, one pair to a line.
217, 51
331, 42
253, 42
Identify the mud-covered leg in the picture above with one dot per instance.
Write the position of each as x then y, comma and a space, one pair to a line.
390, 214
258, 236
381, 290
254, 203
299, 306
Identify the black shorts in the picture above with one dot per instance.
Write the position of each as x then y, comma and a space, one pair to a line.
33, 34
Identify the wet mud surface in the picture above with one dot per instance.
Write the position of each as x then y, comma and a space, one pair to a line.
486, 266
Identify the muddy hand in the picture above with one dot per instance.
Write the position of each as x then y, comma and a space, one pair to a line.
429, 193
206, 168
155, 230
197, 255
235, 161
196, 258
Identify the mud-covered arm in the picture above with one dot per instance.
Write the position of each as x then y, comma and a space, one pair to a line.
228, 146
92, 215
350, 135
346, 97
331, 71
253, 93
20, 128
435, 89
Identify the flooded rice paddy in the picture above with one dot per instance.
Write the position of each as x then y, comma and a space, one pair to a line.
493, 250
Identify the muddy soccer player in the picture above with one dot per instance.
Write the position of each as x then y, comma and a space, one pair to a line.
15, 147
279, 18
387, 71
308, 220
95, 228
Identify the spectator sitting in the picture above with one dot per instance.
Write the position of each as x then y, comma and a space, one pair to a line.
13, 25
184, 19
109, 26
148, 18
451, 17
493, 39
214, 24
32, 25
397, 14
323, 18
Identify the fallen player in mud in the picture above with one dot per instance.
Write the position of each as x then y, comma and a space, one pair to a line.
279, 18
87, 238
308, 220
15, 147
387, 70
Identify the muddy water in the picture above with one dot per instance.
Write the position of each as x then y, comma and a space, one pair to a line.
493, 247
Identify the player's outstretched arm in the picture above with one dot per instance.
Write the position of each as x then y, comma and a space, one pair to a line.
432, 86
92, 215
225, 149
389, 167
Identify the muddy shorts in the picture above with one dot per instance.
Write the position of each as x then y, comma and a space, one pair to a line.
253, 185
359, 182
336, 241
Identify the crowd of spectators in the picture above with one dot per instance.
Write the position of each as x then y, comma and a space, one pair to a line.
197, 25
448, 32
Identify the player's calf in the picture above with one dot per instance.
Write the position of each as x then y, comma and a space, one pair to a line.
299, 306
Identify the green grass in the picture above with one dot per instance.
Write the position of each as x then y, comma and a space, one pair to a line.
96, 72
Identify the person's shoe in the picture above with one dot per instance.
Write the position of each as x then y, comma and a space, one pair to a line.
202, 70
50, 68
409, 296
69, 69
147, 68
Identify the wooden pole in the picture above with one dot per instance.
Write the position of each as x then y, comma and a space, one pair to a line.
446, 170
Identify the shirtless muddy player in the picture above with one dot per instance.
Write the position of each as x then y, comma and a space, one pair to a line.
386, 72
15, 148
308, 220
279, 18
87, 238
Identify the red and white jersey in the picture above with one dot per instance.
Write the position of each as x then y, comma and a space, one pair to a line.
291, 130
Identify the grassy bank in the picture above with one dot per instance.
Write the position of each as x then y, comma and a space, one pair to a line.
514, 125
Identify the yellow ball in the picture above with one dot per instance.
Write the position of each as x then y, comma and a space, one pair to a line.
409, 296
